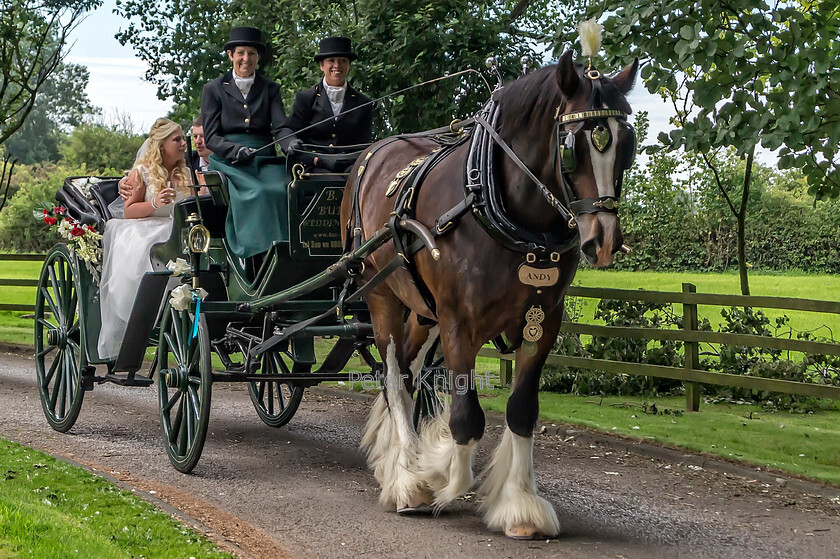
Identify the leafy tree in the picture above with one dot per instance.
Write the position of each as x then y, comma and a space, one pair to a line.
61, 105
33, 34
400, 43
102, 147
740, 74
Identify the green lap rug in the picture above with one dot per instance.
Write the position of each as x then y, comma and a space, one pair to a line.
258, 214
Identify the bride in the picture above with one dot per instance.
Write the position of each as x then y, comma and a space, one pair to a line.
159, 178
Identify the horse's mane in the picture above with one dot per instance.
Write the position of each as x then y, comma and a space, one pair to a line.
535, 97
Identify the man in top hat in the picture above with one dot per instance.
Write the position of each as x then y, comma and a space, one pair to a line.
242, 111
330, 106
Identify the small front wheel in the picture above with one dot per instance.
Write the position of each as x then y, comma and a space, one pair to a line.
184, 380
59, 342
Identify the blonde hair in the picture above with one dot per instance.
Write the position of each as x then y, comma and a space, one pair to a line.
158, 176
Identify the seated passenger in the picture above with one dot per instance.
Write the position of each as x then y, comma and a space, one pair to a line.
159, 178
329, 105
241, 111
200, 156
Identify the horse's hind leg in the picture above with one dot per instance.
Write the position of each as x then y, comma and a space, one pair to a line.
447, 442
389, 437
508, 496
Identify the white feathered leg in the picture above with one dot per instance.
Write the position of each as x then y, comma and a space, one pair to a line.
390, 440
508, 495
441, 463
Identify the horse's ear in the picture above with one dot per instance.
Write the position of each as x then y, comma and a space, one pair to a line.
625, 79
567, 76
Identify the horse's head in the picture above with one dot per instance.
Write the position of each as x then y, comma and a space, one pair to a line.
594, 144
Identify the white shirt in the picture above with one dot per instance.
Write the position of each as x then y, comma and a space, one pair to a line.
335, 95
244, 84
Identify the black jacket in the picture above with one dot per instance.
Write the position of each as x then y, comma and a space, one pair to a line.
224, 111
347, 128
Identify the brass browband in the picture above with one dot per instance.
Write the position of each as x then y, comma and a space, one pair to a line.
592, 113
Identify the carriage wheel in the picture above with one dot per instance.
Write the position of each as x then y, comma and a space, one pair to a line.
276, 402
184, 380
59, 355
430, 383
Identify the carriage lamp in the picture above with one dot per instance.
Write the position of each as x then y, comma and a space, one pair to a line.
199, 236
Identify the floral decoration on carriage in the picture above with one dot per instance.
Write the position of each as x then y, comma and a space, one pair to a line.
83, 240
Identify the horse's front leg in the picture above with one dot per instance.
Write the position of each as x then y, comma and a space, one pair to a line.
447, 442
508, 496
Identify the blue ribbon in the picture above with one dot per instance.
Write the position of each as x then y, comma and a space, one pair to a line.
197, 314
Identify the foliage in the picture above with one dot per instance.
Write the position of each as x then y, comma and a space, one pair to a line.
102, 146
18, 231
33, 35
399, 43
742, 73
62, 104
766, 363
632, 350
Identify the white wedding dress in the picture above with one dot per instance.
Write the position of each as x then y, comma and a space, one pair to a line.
126, 244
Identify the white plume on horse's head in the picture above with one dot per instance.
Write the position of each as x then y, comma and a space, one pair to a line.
590, 37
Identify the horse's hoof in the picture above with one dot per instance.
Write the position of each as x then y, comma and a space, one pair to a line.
419, 503
419, 509
523, 533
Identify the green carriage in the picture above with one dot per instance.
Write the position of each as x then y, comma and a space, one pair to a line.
260, 323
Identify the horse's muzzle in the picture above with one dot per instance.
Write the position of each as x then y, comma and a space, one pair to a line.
600, 238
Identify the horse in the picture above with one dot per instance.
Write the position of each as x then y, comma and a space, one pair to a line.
510, 221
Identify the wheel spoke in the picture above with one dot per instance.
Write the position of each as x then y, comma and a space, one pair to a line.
183, 412
44, 352
171, 401
176, 425
62, 398
51, 304
47, 324
48, 377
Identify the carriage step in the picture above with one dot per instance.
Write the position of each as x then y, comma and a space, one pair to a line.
130, 380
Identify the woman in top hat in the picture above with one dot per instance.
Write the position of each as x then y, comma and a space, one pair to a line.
242, 111
330, 105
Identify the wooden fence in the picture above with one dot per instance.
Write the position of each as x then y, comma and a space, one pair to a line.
690, 335
690, 374
7, 282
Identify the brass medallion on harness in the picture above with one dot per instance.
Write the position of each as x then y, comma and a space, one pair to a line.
404, 172
533, 330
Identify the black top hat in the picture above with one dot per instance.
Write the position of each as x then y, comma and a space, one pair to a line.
245, 37
334, 47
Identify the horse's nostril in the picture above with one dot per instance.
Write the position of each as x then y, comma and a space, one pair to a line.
590, 250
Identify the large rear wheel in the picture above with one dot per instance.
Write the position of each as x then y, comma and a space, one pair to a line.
59, 355
275, 401
184, 380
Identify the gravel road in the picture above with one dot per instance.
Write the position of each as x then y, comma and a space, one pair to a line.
304, 491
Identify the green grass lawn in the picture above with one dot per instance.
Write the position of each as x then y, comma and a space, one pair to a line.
802, 286
50, 509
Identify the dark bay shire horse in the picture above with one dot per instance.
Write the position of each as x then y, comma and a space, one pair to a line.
510, 203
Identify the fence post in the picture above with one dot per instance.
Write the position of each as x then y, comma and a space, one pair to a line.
505, 371
692, 358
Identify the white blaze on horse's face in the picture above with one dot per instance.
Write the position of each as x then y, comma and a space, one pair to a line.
600, 232
603, 164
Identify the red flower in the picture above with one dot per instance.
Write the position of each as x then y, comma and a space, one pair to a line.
60, 209
49, 220
77, 231
46, 212
91, 228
